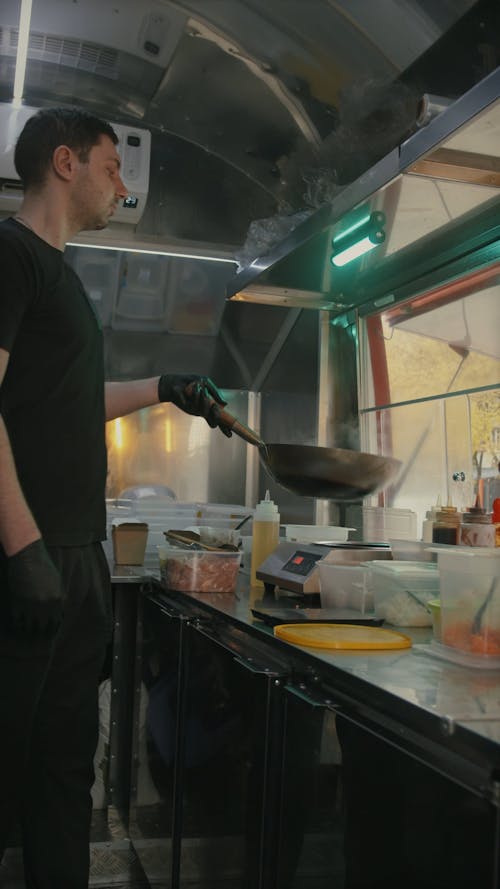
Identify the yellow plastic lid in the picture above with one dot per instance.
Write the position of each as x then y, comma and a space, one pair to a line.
341, 636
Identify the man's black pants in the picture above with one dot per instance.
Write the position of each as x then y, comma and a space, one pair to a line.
49, 725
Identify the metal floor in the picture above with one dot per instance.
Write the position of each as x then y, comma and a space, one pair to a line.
113, 866
113, 862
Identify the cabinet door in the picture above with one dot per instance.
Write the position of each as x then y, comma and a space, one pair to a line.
160, 675
231, 768
408, 824
311, 824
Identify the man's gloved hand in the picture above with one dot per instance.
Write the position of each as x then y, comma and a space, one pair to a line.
194, 395
35, 591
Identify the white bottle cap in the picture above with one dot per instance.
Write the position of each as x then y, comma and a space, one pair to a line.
266, 510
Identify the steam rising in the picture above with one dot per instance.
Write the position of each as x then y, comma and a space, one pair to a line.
373, 118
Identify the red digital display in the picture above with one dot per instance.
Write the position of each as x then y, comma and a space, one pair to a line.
298, 560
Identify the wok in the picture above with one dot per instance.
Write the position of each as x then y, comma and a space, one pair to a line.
330, 473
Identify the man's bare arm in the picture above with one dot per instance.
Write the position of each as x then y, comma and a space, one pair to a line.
194, 394
126, 397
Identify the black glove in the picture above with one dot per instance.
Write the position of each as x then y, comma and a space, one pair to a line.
194, 395
35, 591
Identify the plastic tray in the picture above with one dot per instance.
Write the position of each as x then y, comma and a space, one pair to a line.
454, 656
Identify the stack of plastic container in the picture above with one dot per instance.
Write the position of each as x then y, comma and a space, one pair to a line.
402, 590
469, 581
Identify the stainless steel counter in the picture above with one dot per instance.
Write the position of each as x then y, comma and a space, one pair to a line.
449, 696
452, 694
414, 741
130, 574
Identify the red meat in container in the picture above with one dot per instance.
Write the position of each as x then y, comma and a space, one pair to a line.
202, 572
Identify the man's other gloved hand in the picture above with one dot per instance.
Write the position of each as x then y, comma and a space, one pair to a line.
194, 395
35, 591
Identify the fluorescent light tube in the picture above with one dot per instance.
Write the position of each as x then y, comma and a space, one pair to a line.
181, 254
355, 250
22, 50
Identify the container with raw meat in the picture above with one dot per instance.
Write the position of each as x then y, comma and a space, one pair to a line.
199, 571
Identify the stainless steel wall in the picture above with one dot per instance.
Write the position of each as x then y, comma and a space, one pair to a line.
162, 445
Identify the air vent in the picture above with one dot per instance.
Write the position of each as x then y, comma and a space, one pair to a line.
64, 51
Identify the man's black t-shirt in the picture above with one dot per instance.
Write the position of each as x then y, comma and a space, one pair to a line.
52, 397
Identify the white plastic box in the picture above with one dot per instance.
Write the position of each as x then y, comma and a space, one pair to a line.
345, 586
467, 577
380, 523
314, 533
401, 591
412, 551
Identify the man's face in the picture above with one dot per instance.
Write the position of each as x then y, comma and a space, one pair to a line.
97, 187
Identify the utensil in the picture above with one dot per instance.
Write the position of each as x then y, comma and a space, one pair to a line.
191, 540
476, 623
331, 473
243, 522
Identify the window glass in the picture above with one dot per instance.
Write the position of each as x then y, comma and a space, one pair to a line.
430, 392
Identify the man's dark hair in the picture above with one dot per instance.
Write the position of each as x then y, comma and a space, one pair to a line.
49, 128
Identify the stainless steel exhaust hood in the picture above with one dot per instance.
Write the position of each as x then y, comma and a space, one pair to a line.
243, 99
448, 170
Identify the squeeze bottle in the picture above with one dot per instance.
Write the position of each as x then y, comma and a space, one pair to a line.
265, 538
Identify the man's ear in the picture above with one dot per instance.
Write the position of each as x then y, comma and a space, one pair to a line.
64, 162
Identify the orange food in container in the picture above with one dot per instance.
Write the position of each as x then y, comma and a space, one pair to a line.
469, 581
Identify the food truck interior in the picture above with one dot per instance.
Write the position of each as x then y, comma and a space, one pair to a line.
262, 142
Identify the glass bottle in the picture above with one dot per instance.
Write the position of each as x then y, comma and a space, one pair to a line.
476, 528
446, 525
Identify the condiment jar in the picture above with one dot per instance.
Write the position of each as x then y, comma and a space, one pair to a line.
496, 520
446, 525
476, 528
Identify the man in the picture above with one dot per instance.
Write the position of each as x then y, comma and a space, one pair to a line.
54, 581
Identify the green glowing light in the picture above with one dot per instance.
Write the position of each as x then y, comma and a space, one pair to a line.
341, 235
353, 251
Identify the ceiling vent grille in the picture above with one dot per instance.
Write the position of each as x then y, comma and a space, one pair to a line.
90, 57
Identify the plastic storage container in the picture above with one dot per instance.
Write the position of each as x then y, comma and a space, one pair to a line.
345, 586
401, 591
434, 606
469, 578
412, 551
314, 533
198, 571
380, 523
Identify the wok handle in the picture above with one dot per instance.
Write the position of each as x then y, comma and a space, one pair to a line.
239, 428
